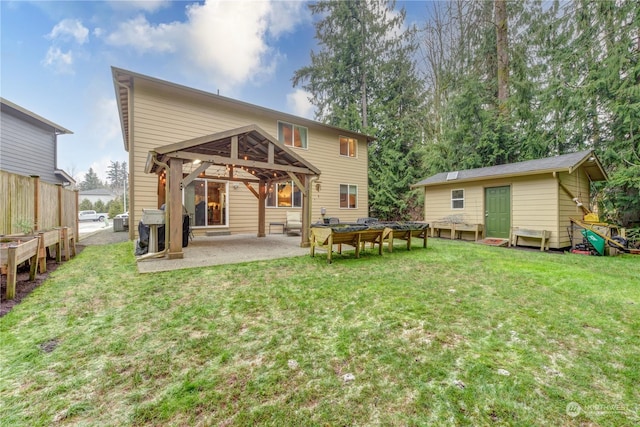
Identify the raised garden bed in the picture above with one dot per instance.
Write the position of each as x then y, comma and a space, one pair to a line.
14, 250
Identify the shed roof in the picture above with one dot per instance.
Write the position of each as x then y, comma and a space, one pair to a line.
563, 163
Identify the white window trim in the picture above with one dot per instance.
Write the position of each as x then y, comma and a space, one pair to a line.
293, 125
275, 184
348, 188
348, 156
457, 199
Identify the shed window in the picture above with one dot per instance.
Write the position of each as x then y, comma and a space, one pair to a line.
457, 199
348, 196
348, 146
292, 135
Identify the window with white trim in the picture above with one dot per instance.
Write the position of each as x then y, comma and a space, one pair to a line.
348, 146
284, 195
348, 196
292, 135
457, 199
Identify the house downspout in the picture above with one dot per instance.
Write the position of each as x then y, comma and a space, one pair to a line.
166, 209
128, 148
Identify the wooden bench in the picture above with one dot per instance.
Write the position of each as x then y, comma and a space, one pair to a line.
543, 235
456, 229
437, 227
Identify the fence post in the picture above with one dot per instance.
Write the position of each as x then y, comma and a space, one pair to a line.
36, 202
59, 223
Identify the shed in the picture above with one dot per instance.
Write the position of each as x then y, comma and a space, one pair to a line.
537, 194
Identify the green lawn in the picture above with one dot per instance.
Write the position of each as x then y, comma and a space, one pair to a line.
455, 334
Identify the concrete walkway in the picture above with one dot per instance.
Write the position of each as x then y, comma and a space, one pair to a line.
233, 249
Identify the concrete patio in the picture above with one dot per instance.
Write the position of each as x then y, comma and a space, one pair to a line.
232, 249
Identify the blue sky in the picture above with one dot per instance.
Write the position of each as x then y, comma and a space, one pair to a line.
56, 59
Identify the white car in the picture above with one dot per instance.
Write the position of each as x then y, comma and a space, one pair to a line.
92, 216
123, 215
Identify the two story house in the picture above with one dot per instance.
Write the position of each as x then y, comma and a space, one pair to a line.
231, 166
29, 144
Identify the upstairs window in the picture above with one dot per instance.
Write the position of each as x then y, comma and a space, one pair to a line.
457, 199
348, 146
292, 135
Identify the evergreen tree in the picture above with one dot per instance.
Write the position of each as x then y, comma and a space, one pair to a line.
117, 176
364, 79
91, 181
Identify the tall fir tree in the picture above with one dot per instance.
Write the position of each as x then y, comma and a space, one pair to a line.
91, 181
363, 79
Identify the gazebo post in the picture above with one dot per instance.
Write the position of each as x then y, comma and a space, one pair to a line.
173, 217
262, 194
306, 205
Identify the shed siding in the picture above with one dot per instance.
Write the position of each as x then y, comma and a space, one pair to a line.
537, 202
26, 149
163, 116
578, 184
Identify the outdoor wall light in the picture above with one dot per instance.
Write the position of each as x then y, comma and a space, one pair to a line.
323, 211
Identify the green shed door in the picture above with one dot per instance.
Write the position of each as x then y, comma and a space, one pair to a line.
497, 201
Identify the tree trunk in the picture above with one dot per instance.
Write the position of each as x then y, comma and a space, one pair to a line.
503, 54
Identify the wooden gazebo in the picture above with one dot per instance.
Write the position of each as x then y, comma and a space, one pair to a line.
248, 155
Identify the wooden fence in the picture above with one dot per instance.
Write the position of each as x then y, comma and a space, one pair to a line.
28, 202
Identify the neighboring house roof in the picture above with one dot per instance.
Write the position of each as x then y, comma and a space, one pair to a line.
45, 158
96, 192
123, 82
564, 163
56, 127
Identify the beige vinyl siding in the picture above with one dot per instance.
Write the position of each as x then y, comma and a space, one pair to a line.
537, 202
534, 205
438, 203
164, 115
578, 184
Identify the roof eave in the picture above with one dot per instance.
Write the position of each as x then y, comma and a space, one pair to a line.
119, 71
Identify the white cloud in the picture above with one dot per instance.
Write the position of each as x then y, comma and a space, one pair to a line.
61, 62
106, 124
70, 29
145, 37
146, 5
225, 42
298, 103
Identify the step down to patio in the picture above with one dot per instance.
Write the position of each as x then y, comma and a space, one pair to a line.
217, 233
492, 241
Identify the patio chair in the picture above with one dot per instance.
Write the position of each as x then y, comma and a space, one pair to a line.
293, 222
334, 220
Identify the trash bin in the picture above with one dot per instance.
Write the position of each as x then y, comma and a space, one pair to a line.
118, 224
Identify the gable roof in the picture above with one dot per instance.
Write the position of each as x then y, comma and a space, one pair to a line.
33, 117
563, 163
97, 192
248, 148
124, 80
